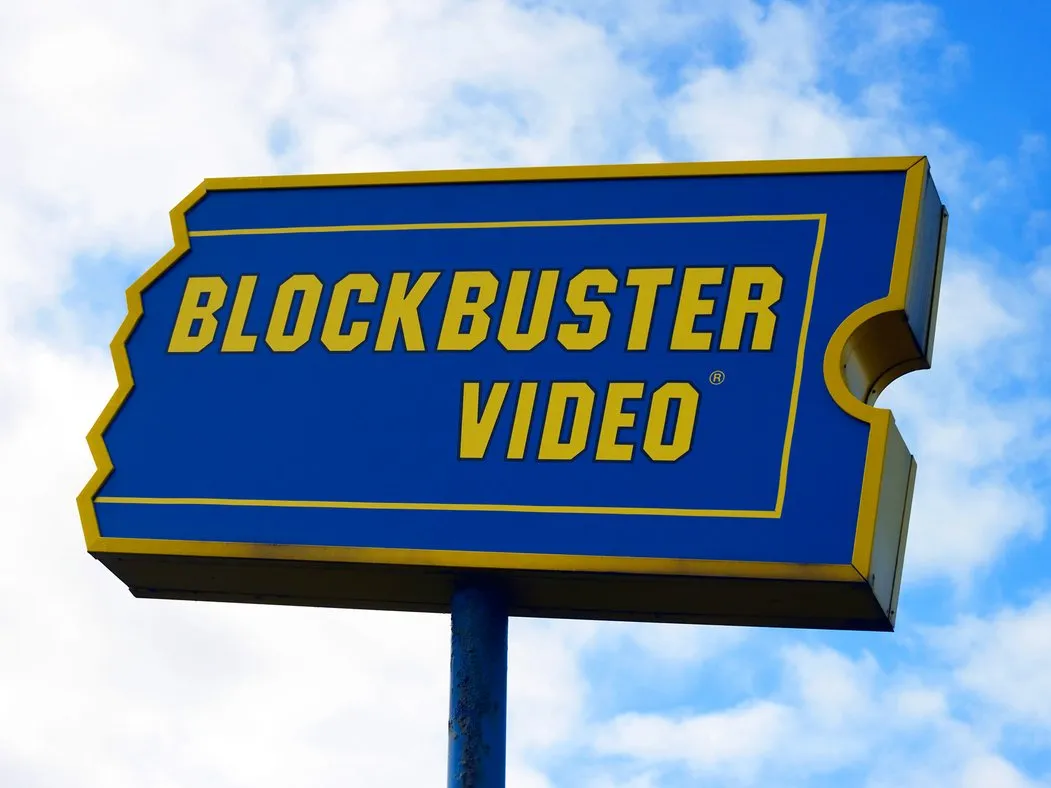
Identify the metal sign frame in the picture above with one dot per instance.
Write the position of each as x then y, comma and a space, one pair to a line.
879, 342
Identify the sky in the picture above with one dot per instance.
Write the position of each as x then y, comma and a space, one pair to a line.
114, 110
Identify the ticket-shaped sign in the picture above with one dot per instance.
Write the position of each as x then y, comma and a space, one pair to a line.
637, 392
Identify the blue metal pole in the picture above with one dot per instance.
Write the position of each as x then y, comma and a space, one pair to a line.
478, 689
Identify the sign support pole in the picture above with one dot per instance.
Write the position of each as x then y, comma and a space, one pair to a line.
478, 687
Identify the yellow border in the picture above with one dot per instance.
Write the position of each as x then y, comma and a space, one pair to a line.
915, 167
879, 419
797, 375
643, 220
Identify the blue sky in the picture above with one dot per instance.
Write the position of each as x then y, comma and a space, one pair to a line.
114, 111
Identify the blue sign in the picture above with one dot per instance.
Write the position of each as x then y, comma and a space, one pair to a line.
638, 392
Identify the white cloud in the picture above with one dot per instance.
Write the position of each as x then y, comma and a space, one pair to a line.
777, 102
978, 422
989, 771
1002, 659
114, 110
942, 717
689, 645
735, 737
545, 695
121, 109
453, 84
830, 715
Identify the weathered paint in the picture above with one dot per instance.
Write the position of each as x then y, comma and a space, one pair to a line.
478, 688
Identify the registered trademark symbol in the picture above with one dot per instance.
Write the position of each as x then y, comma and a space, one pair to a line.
717, 377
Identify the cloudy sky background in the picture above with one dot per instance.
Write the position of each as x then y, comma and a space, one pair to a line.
111, 111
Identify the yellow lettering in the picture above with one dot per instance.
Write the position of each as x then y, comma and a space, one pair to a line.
367, 288
569, 334
235, 340
192, 312
460, 308
477, 423
403, 310
509, 334
682, 436
692, 306
614, 419
523, 420
310, 286
551, 446
646, 281
740, 304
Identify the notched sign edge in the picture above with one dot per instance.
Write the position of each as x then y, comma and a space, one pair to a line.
875, 345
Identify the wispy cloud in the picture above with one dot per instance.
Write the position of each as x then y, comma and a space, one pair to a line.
114, 111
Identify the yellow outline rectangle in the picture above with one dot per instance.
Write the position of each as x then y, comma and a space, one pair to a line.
774, 513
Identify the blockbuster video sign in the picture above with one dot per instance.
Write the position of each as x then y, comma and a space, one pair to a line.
626, 392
